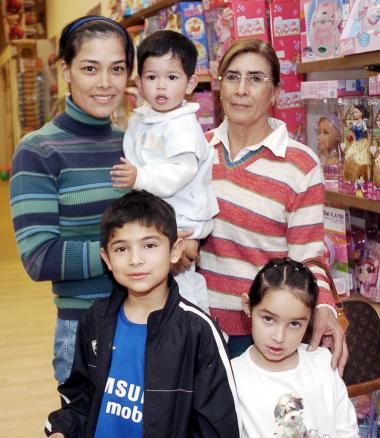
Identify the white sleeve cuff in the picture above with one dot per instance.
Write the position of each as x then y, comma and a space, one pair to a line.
329, 306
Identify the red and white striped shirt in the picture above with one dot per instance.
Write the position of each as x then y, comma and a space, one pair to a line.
271, 200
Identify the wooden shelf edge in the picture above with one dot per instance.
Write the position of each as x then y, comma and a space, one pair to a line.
353, 201
358, 60
138, 17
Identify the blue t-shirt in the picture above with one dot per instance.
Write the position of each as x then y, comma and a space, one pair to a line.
121, 410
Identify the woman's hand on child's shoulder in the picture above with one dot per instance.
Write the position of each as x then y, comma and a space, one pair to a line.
326, 329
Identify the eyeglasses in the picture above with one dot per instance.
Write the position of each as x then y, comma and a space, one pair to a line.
252, 79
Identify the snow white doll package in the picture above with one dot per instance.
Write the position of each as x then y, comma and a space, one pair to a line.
357, 166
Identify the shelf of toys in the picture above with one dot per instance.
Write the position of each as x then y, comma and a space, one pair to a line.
369, 61
212, 25
352, 201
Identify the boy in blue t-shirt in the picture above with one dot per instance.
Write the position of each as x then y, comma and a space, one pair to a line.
148, 363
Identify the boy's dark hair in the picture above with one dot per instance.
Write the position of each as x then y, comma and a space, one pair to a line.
167, 41
285, 273
142, 207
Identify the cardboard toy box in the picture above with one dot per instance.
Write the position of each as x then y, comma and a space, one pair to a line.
374, 185
286, 35
361, 32
357, 166
232, 20
193, 25
206, 114
335, 248
321, 29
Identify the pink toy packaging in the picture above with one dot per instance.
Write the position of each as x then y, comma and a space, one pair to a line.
232, 20
206, 113
219, 32
286, 35
357, 166
357, 241
361, 32
374, 185
335, 248
367, 278
322, 29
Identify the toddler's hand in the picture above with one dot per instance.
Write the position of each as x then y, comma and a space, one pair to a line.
124, 175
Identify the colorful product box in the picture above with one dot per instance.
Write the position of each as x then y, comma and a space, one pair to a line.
333, 89
361, 31
374, 185
193, 25
335, 248
229, 21
286, 35
357, 166
206, 113
374, 85
290, 110
321, 29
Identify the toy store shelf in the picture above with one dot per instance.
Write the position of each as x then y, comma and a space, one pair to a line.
353, 201
369, 60
138, 17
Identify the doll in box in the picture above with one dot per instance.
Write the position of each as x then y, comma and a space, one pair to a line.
329, 141
357, 167
375, 148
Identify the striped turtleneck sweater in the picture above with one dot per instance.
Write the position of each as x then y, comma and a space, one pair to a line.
59, 189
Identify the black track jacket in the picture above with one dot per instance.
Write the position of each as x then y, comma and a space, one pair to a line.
189, 390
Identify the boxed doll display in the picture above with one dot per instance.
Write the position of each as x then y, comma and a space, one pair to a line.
324, 133
366, 255
374, 185
357, 166
321, 29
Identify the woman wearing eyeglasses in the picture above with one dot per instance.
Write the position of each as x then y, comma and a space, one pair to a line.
270, 192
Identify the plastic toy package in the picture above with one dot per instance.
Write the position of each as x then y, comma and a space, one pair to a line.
357, 166
364, 254
232, 20
324, 135
322, 29
206, 114
336, 247
374, 185
361, 31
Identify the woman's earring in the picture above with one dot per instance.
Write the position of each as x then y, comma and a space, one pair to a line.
220, 97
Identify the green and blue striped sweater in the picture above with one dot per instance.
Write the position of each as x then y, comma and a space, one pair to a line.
59, 189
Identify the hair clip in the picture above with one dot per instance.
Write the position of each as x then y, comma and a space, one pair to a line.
296, 269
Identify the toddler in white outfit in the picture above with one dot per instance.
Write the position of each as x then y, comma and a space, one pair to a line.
166, 152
